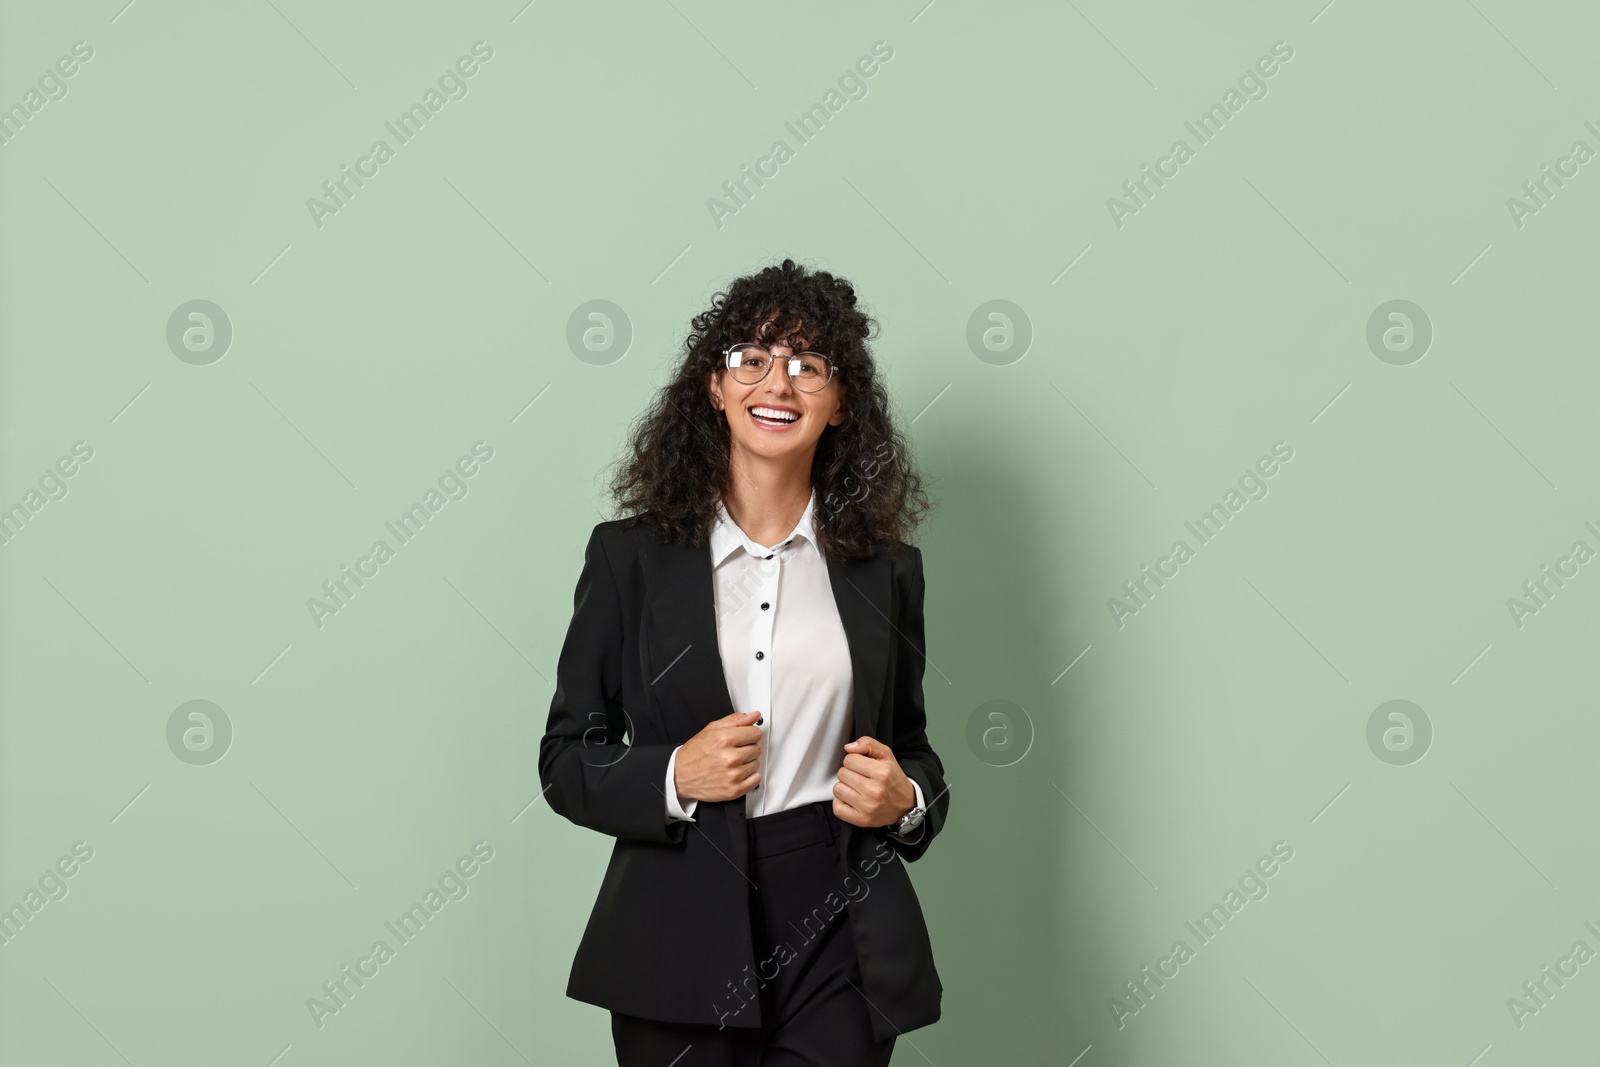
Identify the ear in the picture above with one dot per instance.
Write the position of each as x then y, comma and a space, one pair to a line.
840, 413
714, 388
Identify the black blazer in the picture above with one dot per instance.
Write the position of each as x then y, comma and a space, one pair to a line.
669, 937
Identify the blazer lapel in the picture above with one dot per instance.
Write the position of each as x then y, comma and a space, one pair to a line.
691, 662
684, 613
861, 591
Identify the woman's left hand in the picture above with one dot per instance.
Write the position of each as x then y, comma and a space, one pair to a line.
872, 789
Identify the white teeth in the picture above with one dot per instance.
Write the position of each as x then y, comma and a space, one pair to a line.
774, 414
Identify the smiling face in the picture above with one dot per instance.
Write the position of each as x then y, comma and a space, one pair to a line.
772, 418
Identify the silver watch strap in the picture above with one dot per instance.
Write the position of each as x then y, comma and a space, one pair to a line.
909, 821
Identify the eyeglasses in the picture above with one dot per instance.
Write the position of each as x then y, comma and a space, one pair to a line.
809, 371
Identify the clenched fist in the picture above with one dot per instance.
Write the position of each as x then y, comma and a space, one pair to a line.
720, 762
872, 790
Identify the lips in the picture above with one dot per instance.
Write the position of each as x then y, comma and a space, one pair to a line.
772, 418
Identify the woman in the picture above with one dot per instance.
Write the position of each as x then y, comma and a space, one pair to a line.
754, 627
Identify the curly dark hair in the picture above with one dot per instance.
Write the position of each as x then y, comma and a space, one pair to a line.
869, 495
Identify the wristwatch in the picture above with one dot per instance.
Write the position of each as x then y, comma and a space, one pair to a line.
908, 822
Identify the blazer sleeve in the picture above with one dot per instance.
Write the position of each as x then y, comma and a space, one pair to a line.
589, 775
910, 741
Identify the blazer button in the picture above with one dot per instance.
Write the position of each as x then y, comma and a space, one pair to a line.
764, 607
769, 556
761, 655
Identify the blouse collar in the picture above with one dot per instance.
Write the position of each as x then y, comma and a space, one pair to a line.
727, 536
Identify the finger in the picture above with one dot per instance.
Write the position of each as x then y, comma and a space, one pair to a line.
741, 736
742, 755
864, 765
870, 747
849, 794
859, 782
849, 814
870, 793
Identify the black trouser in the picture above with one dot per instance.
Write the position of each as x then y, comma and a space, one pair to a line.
812, 1011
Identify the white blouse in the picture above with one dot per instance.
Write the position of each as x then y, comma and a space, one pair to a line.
785, 654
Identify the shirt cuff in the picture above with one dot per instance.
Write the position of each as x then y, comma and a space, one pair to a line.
676, 811
916, 835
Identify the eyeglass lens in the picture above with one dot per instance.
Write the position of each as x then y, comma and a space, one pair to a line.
750, 363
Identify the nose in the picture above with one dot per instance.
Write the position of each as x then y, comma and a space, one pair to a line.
778, 382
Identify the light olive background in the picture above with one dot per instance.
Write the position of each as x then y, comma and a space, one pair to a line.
1167, 355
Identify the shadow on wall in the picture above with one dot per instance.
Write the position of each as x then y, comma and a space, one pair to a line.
1011, 949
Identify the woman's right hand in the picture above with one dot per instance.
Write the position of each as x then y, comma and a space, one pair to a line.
721, 761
